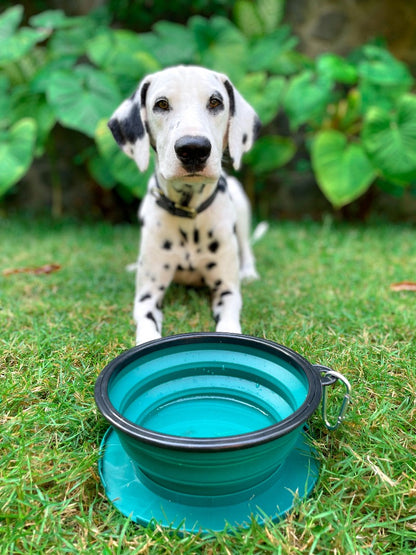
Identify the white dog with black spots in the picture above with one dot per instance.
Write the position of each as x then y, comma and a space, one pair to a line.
195, 220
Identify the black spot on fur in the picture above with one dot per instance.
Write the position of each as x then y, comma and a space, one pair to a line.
213, 247
143, 93
222, 184
116, 130
167, 245
218, 283
150, 316
245, 138
179, 268
224, 293
216, 318
132, 126
256, 128
145, 297
230, 92
235, 229
196, 236
210, 233
162, 288
184, 235
210, 265
166, 266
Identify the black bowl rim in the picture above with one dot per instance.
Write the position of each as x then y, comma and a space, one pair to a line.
226, 443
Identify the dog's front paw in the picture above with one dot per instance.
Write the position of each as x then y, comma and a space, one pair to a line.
144, 336
228, 326
248, 273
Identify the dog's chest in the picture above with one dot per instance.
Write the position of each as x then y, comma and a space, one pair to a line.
190, 250
196, 250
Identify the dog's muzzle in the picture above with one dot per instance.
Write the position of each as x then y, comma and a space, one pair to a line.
193, 152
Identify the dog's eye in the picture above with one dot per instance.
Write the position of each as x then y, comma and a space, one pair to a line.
162, 105
214, 102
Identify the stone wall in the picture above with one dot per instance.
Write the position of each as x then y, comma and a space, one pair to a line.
341, 25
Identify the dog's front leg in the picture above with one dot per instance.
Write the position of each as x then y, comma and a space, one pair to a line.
150, 290
226, 306
224, 283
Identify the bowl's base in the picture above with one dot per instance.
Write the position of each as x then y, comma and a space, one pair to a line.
133, 497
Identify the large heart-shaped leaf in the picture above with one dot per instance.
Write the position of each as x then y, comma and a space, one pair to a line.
307, 98
81, 97
26, 102
343, 171
14, 47
390, 139
16, 152
9, 21
276, 53
270, 153
263, 93
336, 69
377, 65
220, 46
123, 55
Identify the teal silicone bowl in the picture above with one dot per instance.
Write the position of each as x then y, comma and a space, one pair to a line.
208, 415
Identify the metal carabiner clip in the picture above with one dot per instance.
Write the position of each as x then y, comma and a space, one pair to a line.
328, 373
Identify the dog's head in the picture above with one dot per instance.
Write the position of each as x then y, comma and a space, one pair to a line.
189, 115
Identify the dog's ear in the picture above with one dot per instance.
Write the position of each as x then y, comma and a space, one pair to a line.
128, 125
243, 127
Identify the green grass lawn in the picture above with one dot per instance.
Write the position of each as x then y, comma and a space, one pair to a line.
324, 292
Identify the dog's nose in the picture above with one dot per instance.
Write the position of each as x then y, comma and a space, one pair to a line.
193, 151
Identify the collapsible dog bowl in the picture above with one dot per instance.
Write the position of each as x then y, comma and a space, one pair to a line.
208, 429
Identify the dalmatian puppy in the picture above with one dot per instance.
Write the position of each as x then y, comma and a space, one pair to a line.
195, 220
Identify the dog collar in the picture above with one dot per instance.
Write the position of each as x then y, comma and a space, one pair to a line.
184, 211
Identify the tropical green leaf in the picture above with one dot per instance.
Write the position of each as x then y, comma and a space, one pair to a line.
270, 153
271, 13
390, 139
122, 168
343, 171
99, 169
377, 65
247, 17
275, 52
9, 21
307, 98
41, 79
221, 46
16, 152
5, 102
170, 43
52, 19
25, 103
72, 40
80, 98
263, 93
14, 47
122, 54
336, 69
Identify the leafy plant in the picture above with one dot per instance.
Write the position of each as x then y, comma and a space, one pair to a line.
358, 114
366, 129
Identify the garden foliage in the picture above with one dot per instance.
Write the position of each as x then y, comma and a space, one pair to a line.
358, 113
